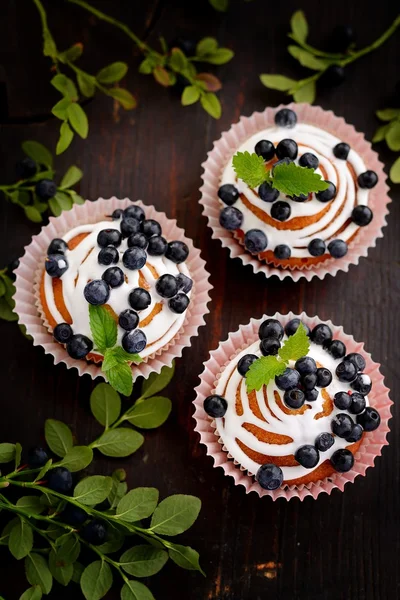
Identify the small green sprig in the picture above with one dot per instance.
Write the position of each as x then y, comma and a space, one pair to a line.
266, 368
7, 291
289, 179
304, 90
390, 132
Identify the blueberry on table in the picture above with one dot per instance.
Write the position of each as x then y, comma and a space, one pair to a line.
167, 286
324, 377
342, 460
150, 227
286, 118
138, 239
79, 346
346, 371
139, 298
129, 225
337, 349
157, 246
187, 45
215, 406
177, 252
267, 192
128, 319
94, 532
311, 395
317, 247
280, 210
25, 168
179, 303
245, 363
134, 211
108, 256
287, 148
255, 241
62, 332
289, 379
60, 480
324, 441
294, 398
269, 346
342, 425
367, 180
37, 457
370, 419
333, 76
328, 194
309, 160
56, 265
185, 284
307, 456
309, 381
357, 359
342, 400
134, 258
109, 237
355, 434
305, 365
117, 214
97, 292
270, 328
357, 404
292, 326
337, 248
46, 189
230, 218
321, 334
73, 515
228, 194
362, 383
341, 150
134, 341
269, 476
57, 246
362, 215
266, 149
282, 252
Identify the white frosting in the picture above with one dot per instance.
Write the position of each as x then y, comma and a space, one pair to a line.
302, 428
84, 266
321, 143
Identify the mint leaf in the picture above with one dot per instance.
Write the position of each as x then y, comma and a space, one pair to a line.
250, 168
292, 180
120, 355
103, 327
296, 346
157, 381
150, 413
105, 404
262, 371
120, 377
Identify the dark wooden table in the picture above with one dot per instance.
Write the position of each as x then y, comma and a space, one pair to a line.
343, 546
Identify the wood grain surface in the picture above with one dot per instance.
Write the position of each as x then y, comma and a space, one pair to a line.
344, 546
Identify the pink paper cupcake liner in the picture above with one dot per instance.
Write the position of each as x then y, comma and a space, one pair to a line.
247, 126
371, 445
27, 297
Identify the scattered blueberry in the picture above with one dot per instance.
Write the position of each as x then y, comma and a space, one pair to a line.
368, 179
46, 189
97, 292
139, 298
135, 212
307, 456
184, 282
56, 265
346, 371
62, 332
108, 256
361, 215
287, 148
25, 168
157, 246
324, 441
129, 225
270, 328
341, 150
306, 365
280, 210
324, 377
282, 252
73, 515
179, 303
215, 406
177, 252
187, 45
342, 400
109, 237
334, 75
255, 241
60, 480
230, 218
357, 404
128, 319
309, 160
370, 419
228, 194
342, 460
138, 240
267, 192
288, 380
311, 395
57, 246
134, 341
362, 383
266, 149
292, 326
309, 381
117, 214
167, 286
245, 362
342, 425
294, 398
37, 457
150, 227
94, 532
78, 346
328, 194
357, 359
337, 349
269, 346
134, 258
285, 118
317, 247
321, 334
355, 434
269, 476
337, 248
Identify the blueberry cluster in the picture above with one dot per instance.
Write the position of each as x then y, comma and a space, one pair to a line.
56, 262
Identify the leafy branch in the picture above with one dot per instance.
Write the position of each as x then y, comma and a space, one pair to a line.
390, 132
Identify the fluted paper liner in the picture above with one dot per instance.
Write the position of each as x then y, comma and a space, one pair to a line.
372, 442
230, 141
27, 297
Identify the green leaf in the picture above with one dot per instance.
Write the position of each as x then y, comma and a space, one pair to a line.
38, 153
44, 470
157, 381
119, 442
78, 119
2, 288
207, 45
31, 504
33, 593
96, 580
66, 137
250, 168
394, 173
208, 82
185, 557
134, 590
118, 490
306, 59
76, 199
137, 504
61, 572
20, 542
77, 574
7, 314
306, 93
161, 75
72, 54
175, 514
103, 327
393, 136
146, 66
211, 104
87, 84
122, 96
77, 458
68, 548
143, 560
7, 452
262, 371
59, 110
55, 207
32, 214
105, 404
277, 82
220, 5
18, 453
115, 541
63, 200
38, 573
71, 177
219, 57
7, 529
121, 379
190, 95
58, 436
121, 355
112, 73
177, 61
151, 413
93, 490
299, 26
380, 133
65, 86
387, 114
293, 180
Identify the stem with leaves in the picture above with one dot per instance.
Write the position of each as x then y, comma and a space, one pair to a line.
390, 133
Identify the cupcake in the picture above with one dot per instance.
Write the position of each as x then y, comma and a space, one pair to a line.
294, 411
295, 190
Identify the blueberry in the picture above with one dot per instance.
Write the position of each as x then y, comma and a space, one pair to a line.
137, 239
134, 341
285, 118
56, 265
324, 441
269, 477
306, 365
128, 319
334, 75
37, 457
342, 425
355, 434
309, 381
287, 148
368, 179
255, 241
150, 227
187, 45
282, 252
266, 149
245, 362
317, 247
129, 225
346, 371
357, 359
184, 282
73, 515
94, 532
337, 248
57, 246
342, 460
309, 160
11, 267
299, 198
292, 326
361, 215
62, 332
108, 256
324, 377
230, 218
117, 214
46, 189
280, 210
97, 292
134, 258
321, 334
228, 194
267, 192
157, 246
270, 328
109, 237
357, 404
269, 346
114, 276
362, 384
341, 150
288, 380
337, 349
342, 400
307, 456
139, 298
342, 37
60, 480
370, 419
328, 194
167, 286
284, 161
294, 398
177, 252
179, 303
215, 406
311, 395
78, 346
25, 168
135, 212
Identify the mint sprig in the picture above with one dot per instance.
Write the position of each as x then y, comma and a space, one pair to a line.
115, 362
266, 368
390, 132
289, 179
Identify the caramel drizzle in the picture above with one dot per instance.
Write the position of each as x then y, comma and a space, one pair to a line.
327, 406
253, 404
258, 457
267, 436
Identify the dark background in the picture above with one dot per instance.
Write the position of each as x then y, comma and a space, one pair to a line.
342, 546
